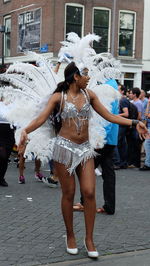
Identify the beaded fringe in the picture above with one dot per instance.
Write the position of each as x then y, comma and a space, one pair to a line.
70, 159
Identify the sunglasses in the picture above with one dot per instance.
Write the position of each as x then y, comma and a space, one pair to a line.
84, 73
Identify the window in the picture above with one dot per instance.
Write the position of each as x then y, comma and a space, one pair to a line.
7, 38
146, 81
129, 80
29, 30
74, 19
127, 34
101, 27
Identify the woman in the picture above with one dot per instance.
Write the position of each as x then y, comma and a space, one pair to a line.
72, 151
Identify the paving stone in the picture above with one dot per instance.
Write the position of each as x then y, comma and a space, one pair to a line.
32, 233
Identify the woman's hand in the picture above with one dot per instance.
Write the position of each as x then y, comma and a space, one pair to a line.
23, 142
142, 130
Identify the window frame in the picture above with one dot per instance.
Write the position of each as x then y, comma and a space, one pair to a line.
5, 1
134, 34
5, 34
83, 12
109, 23
130, 79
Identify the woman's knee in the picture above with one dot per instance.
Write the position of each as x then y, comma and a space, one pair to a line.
88, 194
68, 195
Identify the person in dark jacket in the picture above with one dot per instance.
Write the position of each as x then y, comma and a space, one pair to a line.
7, 142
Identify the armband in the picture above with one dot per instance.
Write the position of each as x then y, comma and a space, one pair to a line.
134, 122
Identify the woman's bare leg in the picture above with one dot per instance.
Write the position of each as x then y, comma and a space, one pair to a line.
86, 177
67, 183
37, 166
21, 165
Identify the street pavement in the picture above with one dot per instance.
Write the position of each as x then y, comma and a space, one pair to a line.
32, 230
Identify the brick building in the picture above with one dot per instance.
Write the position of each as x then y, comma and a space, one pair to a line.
41, 25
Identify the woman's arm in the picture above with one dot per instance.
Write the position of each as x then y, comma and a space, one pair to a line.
37, 122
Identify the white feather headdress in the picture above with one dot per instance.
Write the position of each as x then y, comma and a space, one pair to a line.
30, 88
79, 49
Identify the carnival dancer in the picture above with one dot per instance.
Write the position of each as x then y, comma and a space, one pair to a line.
72, 150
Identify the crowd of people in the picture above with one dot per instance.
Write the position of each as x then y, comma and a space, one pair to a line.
130, 146
72, 153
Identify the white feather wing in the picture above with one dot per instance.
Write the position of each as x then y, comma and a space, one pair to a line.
97, 134
28, 92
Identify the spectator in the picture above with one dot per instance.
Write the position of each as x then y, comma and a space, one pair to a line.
135, 98
7, 142
144, 101
134, 141
121, 154
146, 165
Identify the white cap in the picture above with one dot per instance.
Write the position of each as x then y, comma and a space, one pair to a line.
148, 92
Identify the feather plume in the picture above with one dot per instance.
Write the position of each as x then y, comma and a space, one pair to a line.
28, 92
78, 48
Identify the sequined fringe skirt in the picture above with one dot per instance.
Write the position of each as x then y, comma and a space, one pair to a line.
72, 154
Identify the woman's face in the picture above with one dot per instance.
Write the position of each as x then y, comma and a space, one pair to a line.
83, 80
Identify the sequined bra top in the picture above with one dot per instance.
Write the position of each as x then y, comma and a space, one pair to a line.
70, 110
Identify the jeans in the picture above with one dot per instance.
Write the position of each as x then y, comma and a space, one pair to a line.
122, 145
120, 151
147, 151
51, 166
116, 156
134, 147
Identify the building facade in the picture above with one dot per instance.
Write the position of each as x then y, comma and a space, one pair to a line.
41, 25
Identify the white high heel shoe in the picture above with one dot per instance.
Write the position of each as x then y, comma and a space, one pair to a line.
91, 254
72, 251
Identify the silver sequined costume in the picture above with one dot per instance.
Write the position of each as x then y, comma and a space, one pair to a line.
65, 151
71, 154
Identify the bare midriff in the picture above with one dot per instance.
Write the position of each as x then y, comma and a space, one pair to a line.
69, 131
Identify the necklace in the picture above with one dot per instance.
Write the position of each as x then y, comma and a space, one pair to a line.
74, 98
